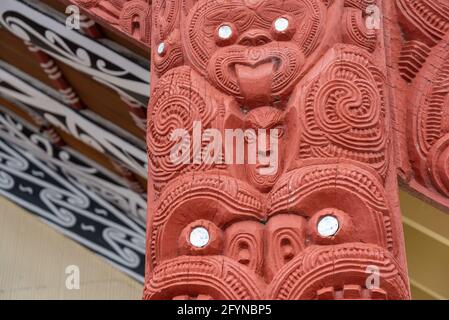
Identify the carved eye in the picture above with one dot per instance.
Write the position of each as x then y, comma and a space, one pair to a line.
281, 24
328, 226
201, 237
161, 49
331, 226
225, 34
283, 28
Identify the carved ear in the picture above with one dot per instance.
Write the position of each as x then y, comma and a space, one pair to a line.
135, 19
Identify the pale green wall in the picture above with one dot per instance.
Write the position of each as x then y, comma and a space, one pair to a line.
427, 242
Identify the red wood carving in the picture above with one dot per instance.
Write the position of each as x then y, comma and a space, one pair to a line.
317, 73
57, 77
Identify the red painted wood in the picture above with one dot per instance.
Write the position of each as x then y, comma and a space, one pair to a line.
57, 77
131, 17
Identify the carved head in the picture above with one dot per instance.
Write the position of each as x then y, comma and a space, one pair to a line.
253, 50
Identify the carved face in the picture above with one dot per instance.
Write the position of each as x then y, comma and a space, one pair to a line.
253, 50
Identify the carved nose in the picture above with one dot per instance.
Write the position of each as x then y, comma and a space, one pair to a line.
254, 38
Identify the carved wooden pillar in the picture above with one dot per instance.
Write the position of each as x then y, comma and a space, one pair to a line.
325, 218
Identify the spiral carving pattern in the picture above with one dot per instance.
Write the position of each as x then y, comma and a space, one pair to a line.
176, 105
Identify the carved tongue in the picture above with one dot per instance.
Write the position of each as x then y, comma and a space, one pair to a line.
255, 82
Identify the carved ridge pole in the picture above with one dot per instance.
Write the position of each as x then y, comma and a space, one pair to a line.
325, 222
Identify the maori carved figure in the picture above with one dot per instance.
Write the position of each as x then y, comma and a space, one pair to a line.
131, 16
423, 62
305, 81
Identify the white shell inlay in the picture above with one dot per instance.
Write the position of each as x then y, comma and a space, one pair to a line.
160, 48
328, 226
281, 24
225, 32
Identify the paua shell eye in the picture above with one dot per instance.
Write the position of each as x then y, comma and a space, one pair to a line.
328, 226
201, 237
161, 49
225, 32
331, 226
281, 24
283, 28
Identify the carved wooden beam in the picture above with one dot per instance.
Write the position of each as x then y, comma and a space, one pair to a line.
108, 66
77, 196
97, 133
53, 40
57, 77
311, 77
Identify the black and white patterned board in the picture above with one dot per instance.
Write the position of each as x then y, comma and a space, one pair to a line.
80, 199
28, 91
110, 67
